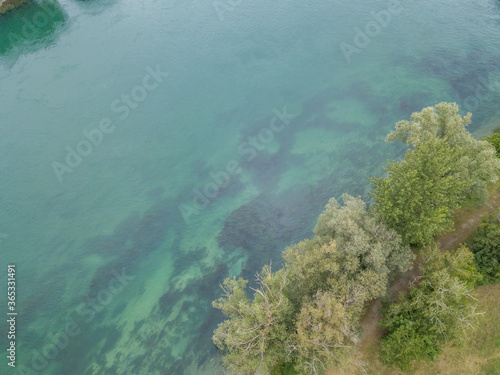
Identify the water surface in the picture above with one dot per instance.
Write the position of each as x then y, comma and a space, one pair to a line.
115, 247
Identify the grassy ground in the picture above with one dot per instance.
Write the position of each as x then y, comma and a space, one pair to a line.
481, 354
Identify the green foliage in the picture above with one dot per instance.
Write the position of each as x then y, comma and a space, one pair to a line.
331, 289
486, 248
306, 315
439, 308
287, 368
444, 122
445, 168
420, 192
324, 334
310, 265
256, 332
409, 342
494, 139
359, 232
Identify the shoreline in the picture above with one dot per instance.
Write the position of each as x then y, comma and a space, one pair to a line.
7, 5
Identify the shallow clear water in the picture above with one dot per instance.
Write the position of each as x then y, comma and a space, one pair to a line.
126, 206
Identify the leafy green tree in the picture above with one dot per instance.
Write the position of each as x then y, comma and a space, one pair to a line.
419, 193
362, 234
409, 341
444, 122
331, 289
319, 287
486, 248
438, 309
310, 265
255, 335
323, 267
325, 334
494, 139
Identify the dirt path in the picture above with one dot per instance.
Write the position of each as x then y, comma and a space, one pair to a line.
466, 222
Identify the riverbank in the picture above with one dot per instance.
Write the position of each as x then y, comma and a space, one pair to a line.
6, 5
467, 221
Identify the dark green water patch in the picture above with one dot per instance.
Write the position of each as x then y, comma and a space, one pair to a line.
116, 243
254, 227
267, 169
469, 76
33, 26
133, 240
414, 102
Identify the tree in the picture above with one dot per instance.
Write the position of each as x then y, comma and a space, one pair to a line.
305, 314
442, 121
362, 234
438, 309
317, 267
494, 139
325, 334
331, 289
256, 332
310, 265
419, 193
409, 341
486, 248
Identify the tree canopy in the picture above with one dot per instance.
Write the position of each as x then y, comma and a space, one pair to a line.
444, 168
476, 157
362, 233
307, 313
486, 248
494, 139
256, 332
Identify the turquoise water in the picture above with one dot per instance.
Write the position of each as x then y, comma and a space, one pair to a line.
116, 265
